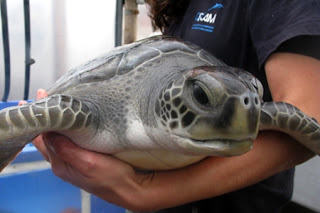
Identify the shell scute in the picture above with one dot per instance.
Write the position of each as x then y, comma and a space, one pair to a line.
136, 57
120, 61
102, 72
174, 45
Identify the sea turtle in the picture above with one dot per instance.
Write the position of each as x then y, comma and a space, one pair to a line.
158, 104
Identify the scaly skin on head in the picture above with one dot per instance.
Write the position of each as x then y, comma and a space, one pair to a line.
205, 111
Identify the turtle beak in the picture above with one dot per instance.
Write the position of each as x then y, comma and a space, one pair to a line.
231, 133
238, 119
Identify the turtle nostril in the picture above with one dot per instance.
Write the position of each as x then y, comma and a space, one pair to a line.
249, 100
246, 101
256, 100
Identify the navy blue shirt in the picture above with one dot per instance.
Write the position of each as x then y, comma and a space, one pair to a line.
243, 33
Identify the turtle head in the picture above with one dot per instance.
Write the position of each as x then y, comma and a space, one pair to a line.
211, 111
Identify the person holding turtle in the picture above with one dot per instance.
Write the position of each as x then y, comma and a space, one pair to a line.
276, 40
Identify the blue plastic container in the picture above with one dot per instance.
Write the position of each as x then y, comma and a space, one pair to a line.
37, 192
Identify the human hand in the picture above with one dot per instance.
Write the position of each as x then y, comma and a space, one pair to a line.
96, 173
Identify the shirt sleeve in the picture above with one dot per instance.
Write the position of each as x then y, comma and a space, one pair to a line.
308, 45
272, 22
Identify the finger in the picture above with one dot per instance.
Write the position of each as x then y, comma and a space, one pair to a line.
41, 147
22, 102
41, 93
84, 161
96, 173
59, 167
77, 157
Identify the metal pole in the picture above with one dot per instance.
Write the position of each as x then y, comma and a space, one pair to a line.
6, 48
130, 21
118, 24
28, 60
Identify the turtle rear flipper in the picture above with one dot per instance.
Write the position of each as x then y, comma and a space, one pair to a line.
286, 118
21, 124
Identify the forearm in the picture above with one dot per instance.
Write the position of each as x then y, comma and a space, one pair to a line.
272, 152
295, 79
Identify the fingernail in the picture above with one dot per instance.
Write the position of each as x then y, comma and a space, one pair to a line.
40, 93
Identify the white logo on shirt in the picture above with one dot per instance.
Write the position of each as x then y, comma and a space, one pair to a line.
205, 20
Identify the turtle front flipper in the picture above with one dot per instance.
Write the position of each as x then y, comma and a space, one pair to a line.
21, 124
286, 118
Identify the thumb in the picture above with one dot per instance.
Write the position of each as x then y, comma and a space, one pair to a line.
41, 93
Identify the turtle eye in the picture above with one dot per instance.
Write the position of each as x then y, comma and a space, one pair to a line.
199, 94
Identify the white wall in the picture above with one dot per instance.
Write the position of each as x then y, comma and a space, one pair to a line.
64, 34
42, 46
89, 28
